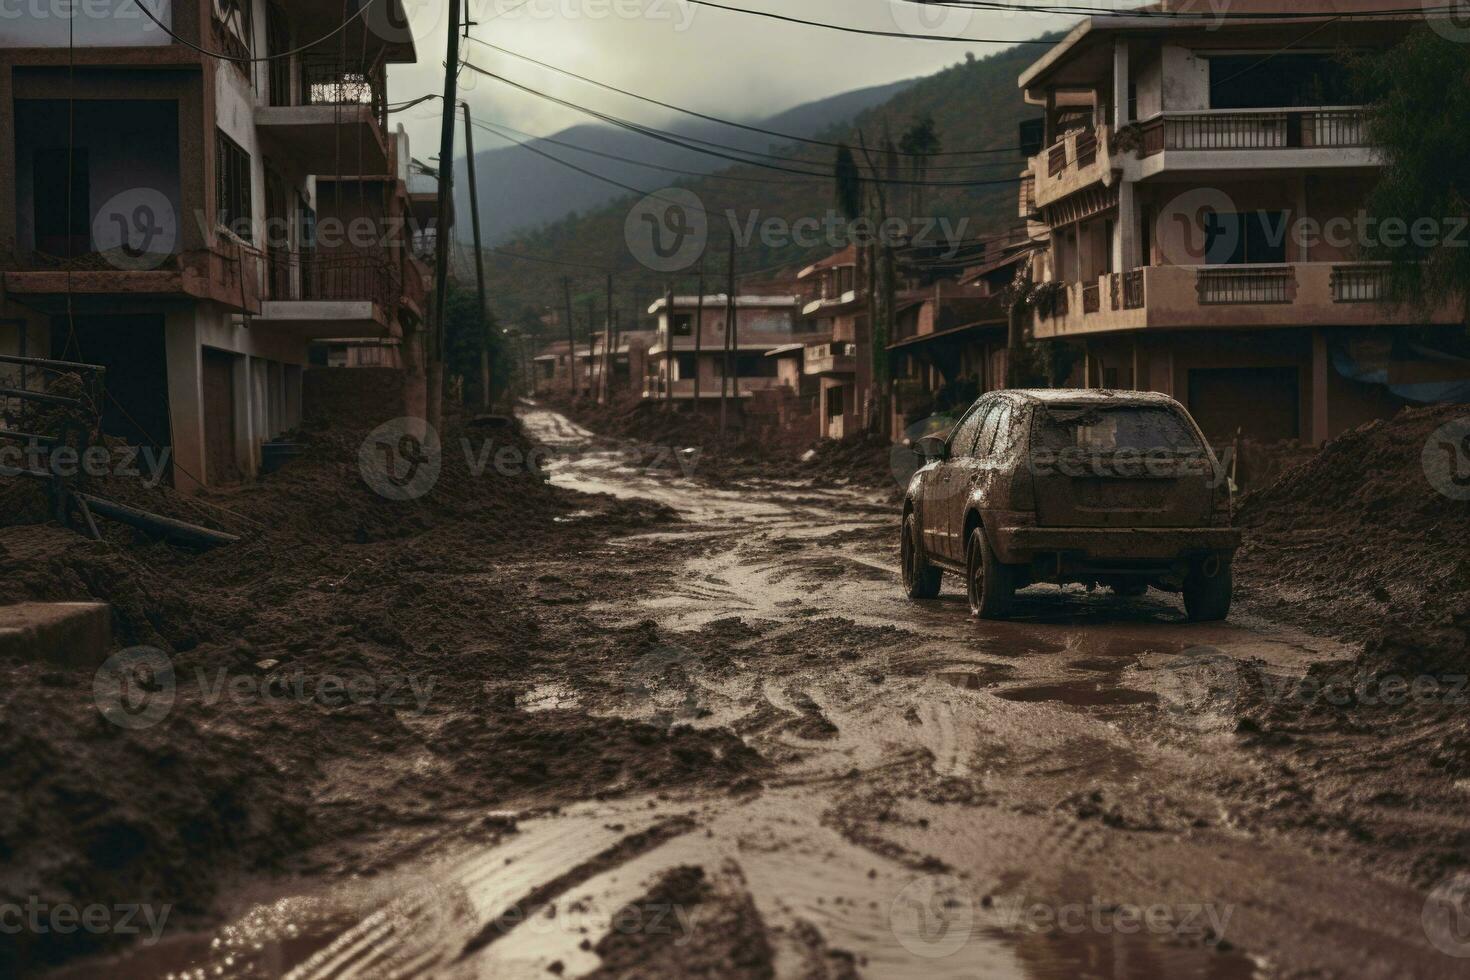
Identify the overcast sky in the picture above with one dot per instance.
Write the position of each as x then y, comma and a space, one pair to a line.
721, 62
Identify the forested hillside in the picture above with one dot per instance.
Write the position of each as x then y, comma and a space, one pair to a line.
975, 105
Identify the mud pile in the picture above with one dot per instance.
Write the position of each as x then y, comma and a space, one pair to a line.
266, 759
1362, 538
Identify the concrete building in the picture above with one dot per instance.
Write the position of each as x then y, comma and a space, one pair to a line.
193, 222
836, 304
690, 345
1192, 174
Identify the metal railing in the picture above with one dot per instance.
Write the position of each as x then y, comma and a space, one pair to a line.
1091, 297
1359, 283
328, 80
1241, 286
294, 276
1274, 129
1133, 295
1056, 159
1086, 149
1027, 195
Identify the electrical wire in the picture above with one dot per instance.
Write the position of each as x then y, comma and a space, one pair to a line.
871, 32
496, 129
1143, 13
367, 4
663, 137
716, 119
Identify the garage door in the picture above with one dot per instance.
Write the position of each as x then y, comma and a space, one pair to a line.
1262, 402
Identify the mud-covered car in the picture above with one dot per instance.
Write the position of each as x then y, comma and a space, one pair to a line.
1102, 488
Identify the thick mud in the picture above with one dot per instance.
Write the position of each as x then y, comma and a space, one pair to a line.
753, 758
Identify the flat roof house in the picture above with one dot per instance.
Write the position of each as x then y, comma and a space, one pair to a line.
1197, 200
192, 220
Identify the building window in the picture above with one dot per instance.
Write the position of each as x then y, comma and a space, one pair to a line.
683, 324
63, 207
232, 186
1249, 238
684, 365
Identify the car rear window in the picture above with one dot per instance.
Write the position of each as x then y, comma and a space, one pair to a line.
1108, 429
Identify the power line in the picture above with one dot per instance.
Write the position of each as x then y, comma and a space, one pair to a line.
716, 119
848, 29
497, 127
1143, 13
664, 137
270, 57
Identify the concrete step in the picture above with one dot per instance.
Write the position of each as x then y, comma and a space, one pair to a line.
67, 634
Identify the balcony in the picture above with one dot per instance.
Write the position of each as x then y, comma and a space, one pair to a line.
322, 296
1222, 139
334, 120
1027, 203
1076, 161
838, 357
227, 272
1308, 294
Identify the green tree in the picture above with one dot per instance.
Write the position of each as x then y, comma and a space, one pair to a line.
849, 183
1419, 94
467, 330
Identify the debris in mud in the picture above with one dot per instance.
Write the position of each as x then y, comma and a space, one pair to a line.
728, 941
417, 603
863, 462
1358, 534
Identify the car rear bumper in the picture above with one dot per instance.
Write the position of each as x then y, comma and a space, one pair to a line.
1017, 545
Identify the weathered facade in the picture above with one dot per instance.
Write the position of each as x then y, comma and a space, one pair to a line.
192, 221
1199, 198
691, 343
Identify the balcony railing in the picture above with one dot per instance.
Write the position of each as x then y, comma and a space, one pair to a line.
1359, 283
1091, 297
1275, 129
1244, 285
1086, 149
293, 276
1027, 195
1133, 295
327, 79
1056, 159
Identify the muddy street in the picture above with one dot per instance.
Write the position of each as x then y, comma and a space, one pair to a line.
1066, 794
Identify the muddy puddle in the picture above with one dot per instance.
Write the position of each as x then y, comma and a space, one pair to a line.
1079, 694
538, 903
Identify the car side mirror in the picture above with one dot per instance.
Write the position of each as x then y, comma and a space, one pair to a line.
932, 449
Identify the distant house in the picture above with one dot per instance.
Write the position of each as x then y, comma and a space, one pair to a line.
690, 345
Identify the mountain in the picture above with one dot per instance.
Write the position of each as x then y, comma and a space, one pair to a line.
975, 105
521, 190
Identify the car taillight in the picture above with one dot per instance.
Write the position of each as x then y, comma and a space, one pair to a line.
1223, 504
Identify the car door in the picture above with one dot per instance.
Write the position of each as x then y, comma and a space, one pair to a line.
949, 511
974, 471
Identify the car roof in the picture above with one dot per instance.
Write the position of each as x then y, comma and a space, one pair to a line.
1088, 396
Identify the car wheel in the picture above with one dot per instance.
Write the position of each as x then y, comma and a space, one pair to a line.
920, 579
1209, 589
992, 584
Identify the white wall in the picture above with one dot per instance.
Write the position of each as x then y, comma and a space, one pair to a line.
97, 23
1186, 80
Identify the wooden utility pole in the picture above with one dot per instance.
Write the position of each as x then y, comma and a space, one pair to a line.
435, 380
698, 332
592, 380
607, 345
729, 334
566, 290
469, 149
669, 347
